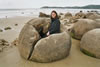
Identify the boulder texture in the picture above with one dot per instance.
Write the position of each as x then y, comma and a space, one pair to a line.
80, 15
73, 19
92, 15
82, 26
52, 48
68, 18
48, 49
43, 15
68, 15
90, 43
29, 35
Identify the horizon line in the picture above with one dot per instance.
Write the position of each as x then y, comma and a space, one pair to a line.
45, 6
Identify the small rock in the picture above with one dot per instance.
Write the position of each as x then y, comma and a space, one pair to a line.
16, 24
1, 30
15, 42
3, 42
7, 28
7, 44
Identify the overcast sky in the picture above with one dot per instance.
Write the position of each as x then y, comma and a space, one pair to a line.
40, 3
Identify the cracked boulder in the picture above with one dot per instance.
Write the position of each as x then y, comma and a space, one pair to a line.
33, 47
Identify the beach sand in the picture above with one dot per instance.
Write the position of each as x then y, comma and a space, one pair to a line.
12, 34
10, 57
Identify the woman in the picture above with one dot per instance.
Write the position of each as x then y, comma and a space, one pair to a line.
55, 24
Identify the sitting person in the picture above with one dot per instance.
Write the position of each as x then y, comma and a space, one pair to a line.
54, 25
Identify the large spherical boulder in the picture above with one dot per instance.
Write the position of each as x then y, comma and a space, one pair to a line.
52, 48
80, 15
82, 26
68, 15
90, 43
30, 35
92, 15
61, 14
68, 18
97, 20
43, 15
33, 47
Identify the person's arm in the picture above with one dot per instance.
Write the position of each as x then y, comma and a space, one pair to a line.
48, 33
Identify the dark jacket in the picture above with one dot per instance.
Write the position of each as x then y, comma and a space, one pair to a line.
54, 26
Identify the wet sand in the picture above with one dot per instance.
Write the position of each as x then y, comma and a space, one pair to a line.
10, 57
12, 34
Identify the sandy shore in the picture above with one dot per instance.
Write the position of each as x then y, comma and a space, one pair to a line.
12, 34
11, 58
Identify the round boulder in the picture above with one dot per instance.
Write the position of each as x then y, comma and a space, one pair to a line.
43, 15
80, 15
68, 15
61, 14
92, 15
33, 47
30, 35
90, 43
52, 48
82, 26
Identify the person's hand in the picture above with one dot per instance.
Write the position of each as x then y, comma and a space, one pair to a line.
48, 34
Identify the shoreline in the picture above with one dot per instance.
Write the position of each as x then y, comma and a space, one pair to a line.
35, 12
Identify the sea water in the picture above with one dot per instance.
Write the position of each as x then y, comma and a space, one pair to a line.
5, 13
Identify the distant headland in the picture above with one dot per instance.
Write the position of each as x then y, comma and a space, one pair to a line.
76, 7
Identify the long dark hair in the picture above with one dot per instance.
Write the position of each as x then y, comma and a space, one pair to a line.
55, 13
